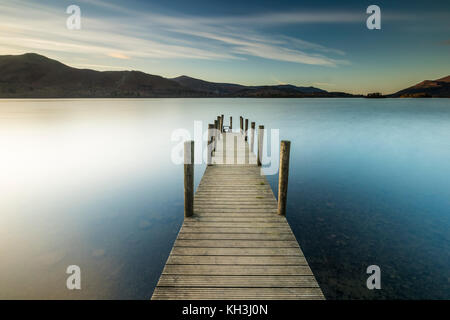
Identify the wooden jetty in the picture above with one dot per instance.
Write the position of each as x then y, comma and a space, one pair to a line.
235, 242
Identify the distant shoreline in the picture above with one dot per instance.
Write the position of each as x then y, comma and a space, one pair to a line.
33, 76
142, 98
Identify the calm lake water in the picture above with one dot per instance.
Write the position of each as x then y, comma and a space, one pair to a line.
91, 183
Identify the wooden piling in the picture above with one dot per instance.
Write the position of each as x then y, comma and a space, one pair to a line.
246, 130
235, 147
188, 178
224, 149
283, 176
241, 126
260, 144
231, 123
221, 124
210, 144
252, 137
216, 127
219, 121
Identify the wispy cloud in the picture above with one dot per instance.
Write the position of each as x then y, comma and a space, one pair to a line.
118, 55
324, 84
40, 30
155, 36
96, 66
275, 48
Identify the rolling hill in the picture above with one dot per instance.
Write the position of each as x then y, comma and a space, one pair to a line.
439, 88
236, 90
31, 75
35, 76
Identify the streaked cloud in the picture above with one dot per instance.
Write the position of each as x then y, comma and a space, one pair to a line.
324, 84
118, 55
154, 36
275, 48
96, 66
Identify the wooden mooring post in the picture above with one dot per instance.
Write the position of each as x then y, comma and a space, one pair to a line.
219, 120
215, 135
252, 137
188, 178
218, 126
260, 144
246, 130
231, 123
210, 144
241, 125
283, 176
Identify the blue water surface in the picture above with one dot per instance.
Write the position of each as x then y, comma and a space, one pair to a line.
91, 182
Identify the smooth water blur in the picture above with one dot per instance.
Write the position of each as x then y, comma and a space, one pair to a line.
91, 183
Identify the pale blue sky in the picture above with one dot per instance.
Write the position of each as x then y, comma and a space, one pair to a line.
320, 43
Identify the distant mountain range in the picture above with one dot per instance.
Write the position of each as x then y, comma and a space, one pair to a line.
439, 88
34, 76
236, 90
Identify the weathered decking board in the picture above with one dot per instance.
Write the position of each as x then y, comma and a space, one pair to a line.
235, 246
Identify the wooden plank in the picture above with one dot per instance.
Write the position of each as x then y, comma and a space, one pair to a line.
236, 251
235, 236
218, 191
234, 198
236, 205
193, 293
248, 203
237, 198
235, 224
253, 203
236, 270
233, 195
218, 230
207, 209
228, 183
236, 243
234, 180
170, 280
237, 219
238, 260
234, 214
